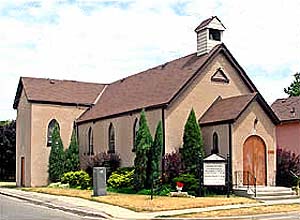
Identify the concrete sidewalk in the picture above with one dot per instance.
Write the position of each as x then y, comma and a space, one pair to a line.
100, 210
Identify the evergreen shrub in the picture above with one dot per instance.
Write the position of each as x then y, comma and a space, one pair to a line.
121, 179
78, 179
191, 183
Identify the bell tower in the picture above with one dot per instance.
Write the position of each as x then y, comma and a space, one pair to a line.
209, 34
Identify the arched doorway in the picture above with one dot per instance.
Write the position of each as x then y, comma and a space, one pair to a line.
254, 161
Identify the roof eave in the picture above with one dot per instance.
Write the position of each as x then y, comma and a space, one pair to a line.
79, 121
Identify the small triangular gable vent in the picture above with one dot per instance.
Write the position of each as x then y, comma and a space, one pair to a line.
220, 76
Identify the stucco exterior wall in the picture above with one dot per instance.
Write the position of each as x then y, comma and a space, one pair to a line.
223, 134
42, 114
265, 129
288, 136
23, 140
123, 127
200, 95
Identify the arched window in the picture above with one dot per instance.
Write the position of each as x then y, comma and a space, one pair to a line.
90, 142
215, 148
111, 139
51, 126
135, 130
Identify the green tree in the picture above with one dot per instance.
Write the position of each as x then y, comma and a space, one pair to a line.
156, 155
142, 145
72, 155
192, 148
294, 88
57, 157
7, 150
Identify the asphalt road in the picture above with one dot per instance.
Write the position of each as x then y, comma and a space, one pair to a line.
15, 209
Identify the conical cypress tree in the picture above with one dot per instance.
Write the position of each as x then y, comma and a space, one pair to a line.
72, 155
57, 157
142, 144
192, 148
156, 155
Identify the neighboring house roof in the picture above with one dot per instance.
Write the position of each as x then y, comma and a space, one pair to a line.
155, 87
58, 91
228, 110
287, 109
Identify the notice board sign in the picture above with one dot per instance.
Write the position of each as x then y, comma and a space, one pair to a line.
214, 171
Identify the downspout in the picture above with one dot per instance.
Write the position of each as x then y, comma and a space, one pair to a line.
230, 153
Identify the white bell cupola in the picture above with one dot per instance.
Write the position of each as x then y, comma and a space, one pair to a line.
209, 34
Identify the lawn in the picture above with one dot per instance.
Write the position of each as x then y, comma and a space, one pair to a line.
8, 184
143, 203
245, 211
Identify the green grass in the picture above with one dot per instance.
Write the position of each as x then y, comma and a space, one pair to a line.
8, 184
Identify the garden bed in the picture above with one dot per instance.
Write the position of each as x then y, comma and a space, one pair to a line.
143, 203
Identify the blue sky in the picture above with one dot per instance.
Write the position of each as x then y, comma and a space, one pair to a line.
104, 40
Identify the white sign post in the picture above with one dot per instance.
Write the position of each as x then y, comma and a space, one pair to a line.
214, 171
214, 174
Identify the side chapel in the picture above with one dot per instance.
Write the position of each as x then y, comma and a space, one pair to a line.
233, 116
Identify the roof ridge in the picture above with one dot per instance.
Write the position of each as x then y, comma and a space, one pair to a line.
63, 80
160, 65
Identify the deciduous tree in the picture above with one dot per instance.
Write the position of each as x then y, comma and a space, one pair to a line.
294, 88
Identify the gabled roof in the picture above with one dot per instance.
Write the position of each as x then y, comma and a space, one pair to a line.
287, 109
206, 23
58, 91
228, 110
155, 87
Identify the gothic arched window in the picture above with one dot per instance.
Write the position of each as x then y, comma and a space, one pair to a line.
90, 142
51, 126
135, 130
111, 139
215, 148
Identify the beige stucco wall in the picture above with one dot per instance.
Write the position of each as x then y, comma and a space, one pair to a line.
23, 134
244, 128
200, 95
42, 114
123, 126
223, 133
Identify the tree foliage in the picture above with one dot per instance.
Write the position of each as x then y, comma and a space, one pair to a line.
72, 154
156, 155
294, 88
192, 148
57, 157
287, 161
142, 145
7, 150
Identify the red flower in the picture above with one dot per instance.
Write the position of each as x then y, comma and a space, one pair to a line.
179, 184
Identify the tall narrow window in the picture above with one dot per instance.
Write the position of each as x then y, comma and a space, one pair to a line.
111, 139
135, 130
215, 148
51, 126
90, 142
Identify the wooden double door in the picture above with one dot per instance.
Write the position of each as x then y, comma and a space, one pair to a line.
254, 161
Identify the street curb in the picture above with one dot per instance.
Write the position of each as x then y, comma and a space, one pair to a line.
52, 206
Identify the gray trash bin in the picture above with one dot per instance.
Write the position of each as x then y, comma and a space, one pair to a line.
99, 181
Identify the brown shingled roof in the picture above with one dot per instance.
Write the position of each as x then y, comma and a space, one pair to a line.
153, 87
58, 91
229, 109
206, 22
287, 109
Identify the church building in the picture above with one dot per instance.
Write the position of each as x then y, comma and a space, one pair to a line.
233, 116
